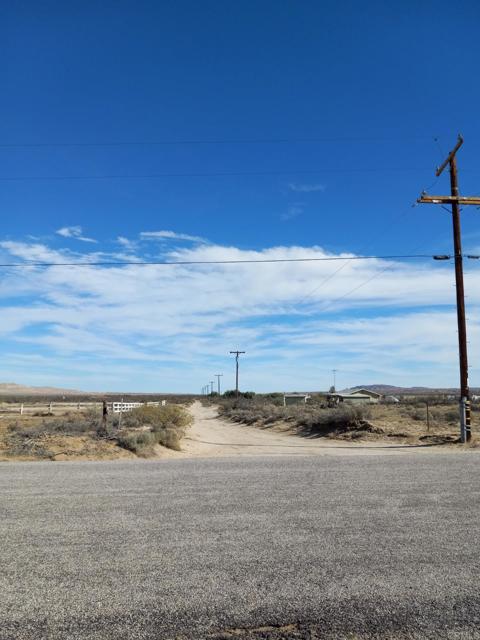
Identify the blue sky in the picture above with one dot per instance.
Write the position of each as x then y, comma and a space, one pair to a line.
280, 129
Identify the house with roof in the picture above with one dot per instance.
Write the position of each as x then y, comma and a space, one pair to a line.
334, 399
358, 396
373, 395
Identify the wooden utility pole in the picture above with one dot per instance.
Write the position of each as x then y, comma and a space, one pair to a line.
218, 376
334, 371
237, 353
456, 200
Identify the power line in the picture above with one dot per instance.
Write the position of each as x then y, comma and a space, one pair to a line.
213, 174
211, 141
356, 288
377, 275
112, 263
386, 230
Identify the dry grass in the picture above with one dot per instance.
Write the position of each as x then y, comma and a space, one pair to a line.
404, 422
147, 426
79, 435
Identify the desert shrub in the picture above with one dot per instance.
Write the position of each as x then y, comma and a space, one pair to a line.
141, 442
17, 445
342, 418
69, 425
432, 399
231, 393
418, 415
158, 417
167, 426
310, 417
451, 415
170, 437
414, 411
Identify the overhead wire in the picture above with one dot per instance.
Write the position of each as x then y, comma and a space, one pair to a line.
209, 141
210, 174
121, 263
396, 219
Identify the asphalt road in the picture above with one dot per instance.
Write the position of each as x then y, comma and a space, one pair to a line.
274, 547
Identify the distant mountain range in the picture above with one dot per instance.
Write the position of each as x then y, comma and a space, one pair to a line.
11, 388
390, 390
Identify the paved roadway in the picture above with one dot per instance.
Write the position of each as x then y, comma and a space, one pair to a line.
272, 547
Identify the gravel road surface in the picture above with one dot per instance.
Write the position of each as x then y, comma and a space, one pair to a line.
247, 547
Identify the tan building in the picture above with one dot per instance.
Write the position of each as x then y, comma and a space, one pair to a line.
373, 395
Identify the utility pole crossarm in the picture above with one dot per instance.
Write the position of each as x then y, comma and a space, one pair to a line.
426, 199
450, 157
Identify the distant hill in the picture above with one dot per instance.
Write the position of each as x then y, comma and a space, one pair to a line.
11, 388
390, 390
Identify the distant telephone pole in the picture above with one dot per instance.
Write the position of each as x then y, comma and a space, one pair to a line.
212, 382
334, 371
455, 200
237, 353
218, 376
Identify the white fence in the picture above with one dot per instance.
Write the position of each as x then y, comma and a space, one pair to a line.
122, 407
61, 408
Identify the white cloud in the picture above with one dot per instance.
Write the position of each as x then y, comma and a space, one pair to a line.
130, 245
306, 188
73, 232
160, 327
170, 235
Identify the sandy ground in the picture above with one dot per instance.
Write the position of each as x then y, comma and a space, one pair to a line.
211, 436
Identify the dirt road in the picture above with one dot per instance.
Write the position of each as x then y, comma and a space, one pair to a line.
211, 436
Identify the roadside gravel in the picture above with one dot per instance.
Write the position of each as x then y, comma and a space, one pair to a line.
249, 547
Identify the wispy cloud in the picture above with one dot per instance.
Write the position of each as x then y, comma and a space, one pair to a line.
157, 328
293, 211
130, 245
74, 232
306, 188
170, 235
